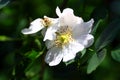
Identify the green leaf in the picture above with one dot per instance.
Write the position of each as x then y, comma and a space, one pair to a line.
5, 38
47, 74
95, 61
33, 54
116, 55
96, 26
108, 34
33, 70
69, 62
37, 41
83, 52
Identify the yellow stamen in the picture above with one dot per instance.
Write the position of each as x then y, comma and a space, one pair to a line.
64, 36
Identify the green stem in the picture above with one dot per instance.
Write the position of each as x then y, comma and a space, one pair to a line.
43, 65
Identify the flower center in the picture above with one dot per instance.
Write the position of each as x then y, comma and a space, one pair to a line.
47, 21
63, 36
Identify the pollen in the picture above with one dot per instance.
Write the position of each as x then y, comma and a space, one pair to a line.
64, 36
47, 21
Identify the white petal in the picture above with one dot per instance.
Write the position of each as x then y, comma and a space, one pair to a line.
89, 24
54, 56
90, 40
43, 31
50, 33
79, 20
82, 28
35, 26
68, 11
48, 30
67, 18
86, 40
69, 51
53, 20
49, 43
58, 12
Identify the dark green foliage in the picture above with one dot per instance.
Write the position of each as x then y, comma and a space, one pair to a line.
116, 54
22, 56
95, 60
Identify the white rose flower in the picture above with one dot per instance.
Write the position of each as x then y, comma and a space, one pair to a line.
71, 36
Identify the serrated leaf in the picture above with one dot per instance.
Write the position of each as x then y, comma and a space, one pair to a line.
95, 61
108, 34
116, 55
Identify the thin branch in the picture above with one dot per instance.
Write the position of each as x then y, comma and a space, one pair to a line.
43, 65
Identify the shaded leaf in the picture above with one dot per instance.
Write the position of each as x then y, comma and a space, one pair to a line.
108, 34
47, 74
37, 41
33, 54
32, 71
83, 52
69, 62
96, 26
5, 38
116, 55
99, 13
95, 61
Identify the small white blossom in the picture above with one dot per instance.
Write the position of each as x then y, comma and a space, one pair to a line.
46, 25
51, 29
71, 35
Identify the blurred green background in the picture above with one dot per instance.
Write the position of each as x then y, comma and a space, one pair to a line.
22, 57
